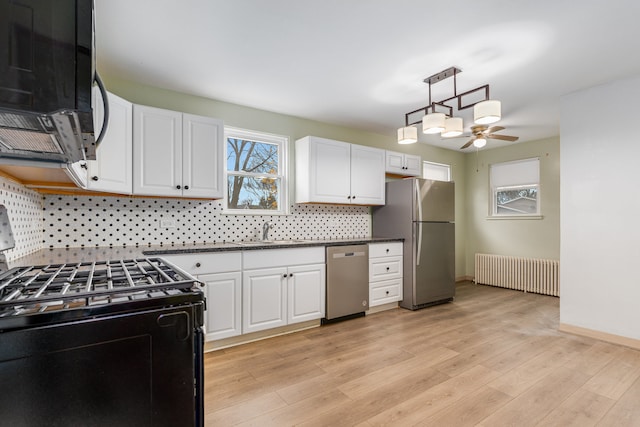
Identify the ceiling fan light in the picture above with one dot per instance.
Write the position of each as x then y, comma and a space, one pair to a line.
479, 142
407, 135
452, 127
433, 123
487, 112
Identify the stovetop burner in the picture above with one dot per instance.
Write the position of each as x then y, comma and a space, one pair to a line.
38, 289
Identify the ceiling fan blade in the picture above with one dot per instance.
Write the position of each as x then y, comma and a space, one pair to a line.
468, 143
493, 129
503, 137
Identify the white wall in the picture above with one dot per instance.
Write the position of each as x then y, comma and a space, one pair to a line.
600, 209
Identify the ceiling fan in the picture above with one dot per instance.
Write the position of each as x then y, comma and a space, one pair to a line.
480, 132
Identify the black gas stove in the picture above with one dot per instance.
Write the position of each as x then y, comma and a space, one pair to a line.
66, 291
101, 343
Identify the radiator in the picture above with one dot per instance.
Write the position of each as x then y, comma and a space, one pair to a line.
524, 274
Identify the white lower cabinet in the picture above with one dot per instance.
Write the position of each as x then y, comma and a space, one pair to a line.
256, 290
264, 299
222, 277
282, 296
385, 273
224, 304
306, 293
282, 286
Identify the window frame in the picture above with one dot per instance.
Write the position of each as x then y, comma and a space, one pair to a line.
282, 142
514, 185
441, 166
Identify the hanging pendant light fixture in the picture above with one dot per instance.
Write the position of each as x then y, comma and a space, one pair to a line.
486, 112
452, 127
408, 135
433, 123
438, 115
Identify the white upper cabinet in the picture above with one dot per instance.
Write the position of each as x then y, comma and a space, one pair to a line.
112, 171
177, 154
403, 164
367, 175
157, 151
329, 171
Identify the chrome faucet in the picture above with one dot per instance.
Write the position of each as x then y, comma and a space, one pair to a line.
265, 231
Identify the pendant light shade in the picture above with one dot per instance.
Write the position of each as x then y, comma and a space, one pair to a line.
433, 123
486, 112
479, 142
452, 127
408, 135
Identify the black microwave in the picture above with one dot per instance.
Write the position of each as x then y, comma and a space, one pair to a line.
47, 69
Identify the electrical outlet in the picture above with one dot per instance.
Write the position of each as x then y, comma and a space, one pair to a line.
167, 223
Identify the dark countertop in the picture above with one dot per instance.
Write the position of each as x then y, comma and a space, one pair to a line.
90, 254
250, 246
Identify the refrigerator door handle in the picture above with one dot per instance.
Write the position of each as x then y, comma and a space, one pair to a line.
419, 205
418, 201
418, 252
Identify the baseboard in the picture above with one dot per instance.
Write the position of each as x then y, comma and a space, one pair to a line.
260, 335
464, 279
599, 335
382, 307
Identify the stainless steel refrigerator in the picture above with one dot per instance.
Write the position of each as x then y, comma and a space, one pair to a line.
422, 212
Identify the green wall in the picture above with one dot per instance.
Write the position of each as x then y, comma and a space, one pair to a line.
296, 127
538, 238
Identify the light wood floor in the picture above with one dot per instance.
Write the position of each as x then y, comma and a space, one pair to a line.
491, 358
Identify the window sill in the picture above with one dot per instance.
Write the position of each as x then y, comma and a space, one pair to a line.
501, 217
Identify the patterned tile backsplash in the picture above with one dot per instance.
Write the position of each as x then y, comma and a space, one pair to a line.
24, 208
76, 221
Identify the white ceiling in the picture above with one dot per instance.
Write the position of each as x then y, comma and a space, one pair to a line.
361, 63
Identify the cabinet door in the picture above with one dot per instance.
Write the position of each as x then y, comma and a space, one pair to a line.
157, 151
306, 293
112, 171
394, 162
413, 165
330, 171
224, 304
264, 299
367, 175
203, 157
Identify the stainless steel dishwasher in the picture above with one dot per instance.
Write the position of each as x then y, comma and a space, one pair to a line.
347, 281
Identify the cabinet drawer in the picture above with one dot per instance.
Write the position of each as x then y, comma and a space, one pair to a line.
385, 249
385, 292
266, 258
205, 263
385, 268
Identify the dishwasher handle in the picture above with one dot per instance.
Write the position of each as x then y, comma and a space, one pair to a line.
347, 254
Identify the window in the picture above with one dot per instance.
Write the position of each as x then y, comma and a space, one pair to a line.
256, 172
515, 188
437, 171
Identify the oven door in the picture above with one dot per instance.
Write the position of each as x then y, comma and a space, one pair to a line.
135, 369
